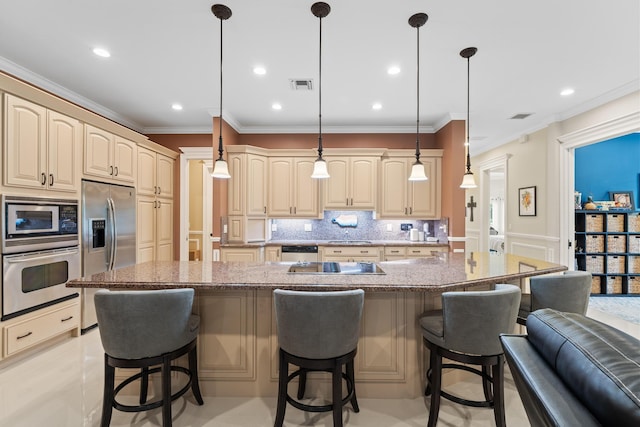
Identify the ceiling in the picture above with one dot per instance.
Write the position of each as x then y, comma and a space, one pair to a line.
167, 51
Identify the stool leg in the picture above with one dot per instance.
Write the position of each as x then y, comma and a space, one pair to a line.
282, 390
498, 392
193, 367
302, 383
351, 375
435, 383
107, 399
486, 383
336, 381
166, 392
144, 384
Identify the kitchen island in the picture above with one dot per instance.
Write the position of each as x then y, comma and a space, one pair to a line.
238, 344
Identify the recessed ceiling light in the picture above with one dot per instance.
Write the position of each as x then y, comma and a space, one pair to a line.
568, 91
176, 107
376, 106
260, 71
101, 52
393, 70
276, 106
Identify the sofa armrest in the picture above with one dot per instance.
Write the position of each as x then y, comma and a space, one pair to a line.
547, 401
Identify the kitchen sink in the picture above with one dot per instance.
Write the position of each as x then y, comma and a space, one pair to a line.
351, 242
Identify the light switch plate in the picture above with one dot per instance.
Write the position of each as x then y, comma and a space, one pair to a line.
308, 227
389, 227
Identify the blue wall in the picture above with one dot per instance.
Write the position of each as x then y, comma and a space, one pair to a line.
612, 165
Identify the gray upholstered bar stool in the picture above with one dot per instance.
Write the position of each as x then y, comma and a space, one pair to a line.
318, 331
467, 330
568, 292
144, 329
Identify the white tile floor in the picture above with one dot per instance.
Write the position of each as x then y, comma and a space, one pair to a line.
62, 387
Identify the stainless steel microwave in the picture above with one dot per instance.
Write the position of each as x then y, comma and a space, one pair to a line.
33, 223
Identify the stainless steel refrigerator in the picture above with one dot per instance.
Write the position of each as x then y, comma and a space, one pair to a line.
108, 235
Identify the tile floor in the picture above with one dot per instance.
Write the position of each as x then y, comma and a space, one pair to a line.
62, 387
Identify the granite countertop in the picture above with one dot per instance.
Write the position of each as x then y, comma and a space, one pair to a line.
341, 243
447, 271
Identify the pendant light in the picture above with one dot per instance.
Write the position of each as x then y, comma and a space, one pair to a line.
417, 170
320, 171
468, 181
221, 169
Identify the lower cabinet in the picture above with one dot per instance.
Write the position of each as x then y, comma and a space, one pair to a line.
351, 253
392, 253
31, 329
242, 254
273, 253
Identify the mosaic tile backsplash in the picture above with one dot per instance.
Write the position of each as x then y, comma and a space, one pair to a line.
366, 227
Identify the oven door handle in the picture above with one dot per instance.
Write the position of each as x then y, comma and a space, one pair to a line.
112, 249
27, 258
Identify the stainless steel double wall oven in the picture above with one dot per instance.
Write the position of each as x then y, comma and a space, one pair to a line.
40, 252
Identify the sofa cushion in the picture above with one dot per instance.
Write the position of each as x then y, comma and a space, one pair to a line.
598, 363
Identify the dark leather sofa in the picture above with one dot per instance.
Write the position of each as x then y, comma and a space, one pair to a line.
571, 370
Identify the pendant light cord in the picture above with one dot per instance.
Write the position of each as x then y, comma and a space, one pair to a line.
220, 150
468, 104
418, 94
320, 95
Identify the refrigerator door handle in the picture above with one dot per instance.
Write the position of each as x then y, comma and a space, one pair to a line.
112, 249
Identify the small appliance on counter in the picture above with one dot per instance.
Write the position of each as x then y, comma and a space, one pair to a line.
414, 235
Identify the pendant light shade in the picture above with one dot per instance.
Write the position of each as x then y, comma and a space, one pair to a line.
221, 168
417, 170
468, 181
320, 10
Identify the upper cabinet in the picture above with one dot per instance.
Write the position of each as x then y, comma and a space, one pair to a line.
292, 191
109, 156
247, 191
401, 198
42, 147
155, 173
352, 184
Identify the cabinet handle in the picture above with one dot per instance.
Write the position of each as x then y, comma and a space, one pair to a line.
290, 210
159, 204
352, 201
50, 180
111, 173
405, 211
395, 252
295, 210
410, 210
155, 204
66, 319
415, 252
364, 252
44, 178
159, 190
265, 209
24, 336
116, 171
337, 252
347, 203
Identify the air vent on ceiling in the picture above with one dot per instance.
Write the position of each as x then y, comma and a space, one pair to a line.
520, 116
301, 84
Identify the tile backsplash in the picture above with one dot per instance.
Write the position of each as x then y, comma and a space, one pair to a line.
366, 227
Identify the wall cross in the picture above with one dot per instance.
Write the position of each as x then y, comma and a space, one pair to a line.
471, 205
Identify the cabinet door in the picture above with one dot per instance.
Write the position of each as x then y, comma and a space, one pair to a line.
164, 230
336, 188
272, 254
305, 198
124, 160
146, 172
98, 157
280, 194
236, 184
425, 195
25, 147
394, 181
240, 254
364, 183
64, 145
164, 176
146, 229
256, 187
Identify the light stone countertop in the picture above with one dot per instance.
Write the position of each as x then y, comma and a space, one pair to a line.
446, 272
341, 243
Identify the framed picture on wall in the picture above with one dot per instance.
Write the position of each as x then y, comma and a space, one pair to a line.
527, 201
622, 199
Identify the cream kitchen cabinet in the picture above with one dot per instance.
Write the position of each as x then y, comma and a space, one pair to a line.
242, 254
392, 253
352, 183
155, 173
42, 147
247, 191
292, 192
351, 253
401, 198
154, 237
109, 156
273, 253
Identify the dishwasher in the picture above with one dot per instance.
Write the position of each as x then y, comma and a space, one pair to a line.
299, 253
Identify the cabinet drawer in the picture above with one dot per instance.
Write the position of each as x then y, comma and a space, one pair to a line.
30, 332
615, 222
617, 243
352, 251
419, 252
595, 223
395, 251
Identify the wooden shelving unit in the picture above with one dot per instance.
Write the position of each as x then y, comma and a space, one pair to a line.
608, 246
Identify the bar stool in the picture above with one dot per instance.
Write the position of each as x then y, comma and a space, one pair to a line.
568, 292
143, 329
318, 331
467, 331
